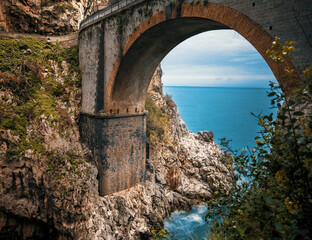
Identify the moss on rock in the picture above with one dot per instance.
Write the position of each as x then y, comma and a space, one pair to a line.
33, 86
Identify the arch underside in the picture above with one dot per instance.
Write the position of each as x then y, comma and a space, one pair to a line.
156, 37
138, 65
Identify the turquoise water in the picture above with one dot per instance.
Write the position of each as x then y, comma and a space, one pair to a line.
226, 112
183, 225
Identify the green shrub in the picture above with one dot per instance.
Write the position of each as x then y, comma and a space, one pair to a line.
27, 94
158, 235
272, 198
157, 122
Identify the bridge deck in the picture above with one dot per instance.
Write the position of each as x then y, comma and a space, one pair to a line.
108, 11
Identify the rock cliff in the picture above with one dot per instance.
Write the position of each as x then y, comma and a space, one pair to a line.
182, 169
48, 17
40, 16
48, 178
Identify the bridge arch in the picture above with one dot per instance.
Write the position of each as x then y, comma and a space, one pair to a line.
160, 33
117, 60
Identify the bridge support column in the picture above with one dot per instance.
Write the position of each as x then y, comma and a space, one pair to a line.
118, 143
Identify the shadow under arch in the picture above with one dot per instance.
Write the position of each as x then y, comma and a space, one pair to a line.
160, 33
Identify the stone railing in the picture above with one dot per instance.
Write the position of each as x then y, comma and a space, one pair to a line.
108, 11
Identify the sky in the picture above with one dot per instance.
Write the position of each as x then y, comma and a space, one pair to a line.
220, 58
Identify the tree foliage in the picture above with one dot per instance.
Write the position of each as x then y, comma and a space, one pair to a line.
158, 235
157, 122
272, 197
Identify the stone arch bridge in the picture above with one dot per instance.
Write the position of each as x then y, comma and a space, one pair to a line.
121, 46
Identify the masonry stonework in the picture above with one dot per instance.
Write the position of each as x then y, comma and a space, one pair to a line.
120, 51
119, 145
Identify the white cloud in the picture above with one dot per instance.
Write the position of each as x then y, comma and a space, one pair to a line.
224, 42
216, 58
188, 75
247, 59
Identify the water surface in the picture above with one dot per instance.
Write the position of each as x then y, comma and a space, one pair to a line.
226, 112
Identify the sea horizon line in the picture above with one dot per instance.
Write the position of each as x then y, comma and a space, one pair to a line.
216, 87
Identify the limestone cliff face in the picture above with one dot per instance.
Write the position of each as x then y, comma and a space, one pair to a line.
182, 169
40, 16
191, 164
44, 179
46, 17
48, 179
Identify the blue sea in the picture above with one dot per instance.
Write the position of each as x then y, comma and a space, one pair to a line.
226, 112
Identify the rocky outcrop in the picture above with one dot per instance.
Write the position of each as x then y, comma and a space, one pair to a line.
45, 182
180, 173
46, 17
41, 16
48, 179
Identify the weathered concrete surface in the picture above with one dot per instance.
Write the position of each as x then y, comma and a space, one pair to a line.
89, 51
